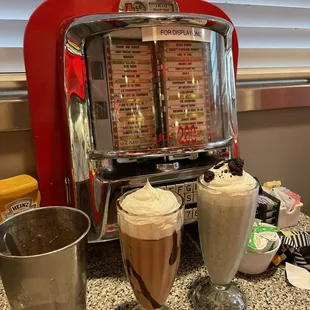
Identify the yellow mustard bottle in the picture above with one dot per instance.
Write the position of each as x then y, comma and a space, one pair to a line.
18, 194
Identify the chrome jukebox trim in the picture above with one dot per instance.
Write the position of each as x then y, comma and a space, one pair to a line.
167, 151
123, 21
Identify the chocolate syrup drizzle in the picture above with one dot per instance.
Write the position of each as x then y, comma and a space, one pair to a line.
172, 260
143, 287
175, 249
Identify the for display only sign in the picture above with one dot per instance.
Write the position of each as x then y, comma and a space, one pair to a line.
173, 33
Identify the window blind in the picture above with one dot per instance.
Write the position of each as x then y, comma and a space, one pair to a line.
273, 35
13, 19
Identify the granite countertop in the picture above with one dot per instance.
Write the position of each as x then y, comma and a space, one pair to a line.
109, 289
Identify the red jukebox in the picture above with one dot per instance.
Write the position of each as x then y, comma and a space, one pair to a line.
124, 90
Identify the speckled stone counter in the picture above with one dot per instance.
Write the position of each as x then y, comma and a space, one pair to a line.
108, 287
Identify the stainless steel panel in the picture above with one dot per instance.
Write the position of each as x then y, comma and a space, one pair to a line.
263, 74
13, 82
14, 115
257, 99
14, 107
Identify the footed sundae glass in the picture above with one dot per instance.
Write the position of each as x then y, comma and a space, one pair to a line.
226, 209
151, 249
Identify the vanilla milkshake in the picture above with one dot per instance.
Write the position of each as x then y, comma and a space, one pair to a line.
151, 222
227, 201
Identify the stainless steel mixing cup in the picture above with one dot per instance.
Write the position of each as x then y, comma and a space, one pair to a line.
50, 273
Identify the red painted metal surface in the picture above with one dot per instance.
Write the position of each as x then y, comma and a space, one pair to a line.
45, 88
43, 38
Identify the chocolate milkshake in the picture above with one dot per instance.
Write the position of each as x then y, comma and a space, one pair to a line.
227, 200
151, 222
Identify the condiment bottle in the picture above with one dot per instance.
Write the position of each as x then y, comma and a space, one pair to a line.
18, 194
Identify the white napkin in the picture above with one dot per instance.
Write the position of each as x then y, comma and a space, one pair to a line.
298, 276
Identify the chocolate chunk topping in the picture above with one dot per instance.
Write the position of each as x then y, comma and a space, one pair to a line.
238, 173
236, 166
226, 171
220, 165
239, 162
209, 176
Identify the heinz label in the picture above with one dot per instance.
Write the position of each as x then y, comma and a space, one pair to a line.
17, 207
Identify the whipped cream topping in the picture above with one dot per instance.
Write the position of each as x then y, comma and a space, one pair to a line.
151, 214
150, 201
225, 181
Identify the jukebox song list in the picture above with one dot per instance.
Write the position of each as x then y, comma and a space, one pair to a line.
131, 85
186, 92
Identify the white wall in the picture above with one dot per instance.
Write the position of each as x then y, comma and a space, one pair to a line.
276, 145
16, 154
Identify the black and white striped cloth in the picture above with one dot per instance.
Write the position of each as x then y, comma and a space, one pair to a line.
301, 261
299, 245
297, 239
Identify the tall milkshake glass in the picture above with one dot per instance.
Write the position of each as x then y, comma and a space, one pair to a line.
227, 201
151, 223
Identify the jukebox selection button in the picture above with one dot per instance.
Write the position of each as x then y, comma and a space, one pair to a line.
187, 190
195, 187
188, 214
179, 188
195, 213
171, 187
189, 198
189, 187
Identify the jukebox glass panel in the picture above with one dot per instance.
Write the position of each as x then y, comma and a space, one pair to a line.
157, 87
